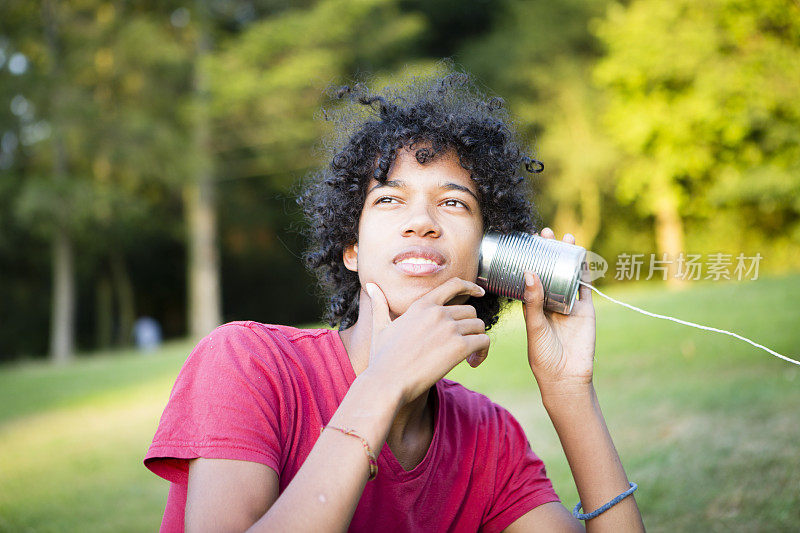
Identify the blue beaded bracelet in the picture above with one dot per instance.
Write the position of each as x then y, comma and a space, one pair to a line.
588, 516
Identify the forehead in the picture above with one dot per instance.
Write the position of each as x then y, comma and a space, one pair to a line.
444, 171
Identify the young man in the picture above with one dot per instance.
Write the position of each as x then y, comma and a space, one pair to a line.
397, 220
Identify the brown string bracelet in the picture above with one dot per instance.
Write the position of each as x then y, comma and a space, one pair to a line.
373, 463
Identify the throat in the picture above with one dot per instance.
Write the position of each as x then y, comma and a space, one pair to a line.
410, 445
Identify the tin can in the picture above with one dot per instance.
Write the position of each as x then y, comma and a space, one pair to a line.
505, 257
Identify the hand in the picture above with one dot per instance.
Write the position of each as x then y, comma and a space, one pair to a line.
560, 347
423, 344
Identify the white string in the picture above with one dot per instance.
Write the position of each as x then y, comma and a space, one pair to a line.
684, 322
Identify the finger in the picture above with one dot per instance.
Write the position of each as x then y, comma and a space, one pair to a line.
471, 326
533, 294
569, 238
547, 233
460, 312
477, 358
584, 292
477, 344
452, 288
380, 308
534, 300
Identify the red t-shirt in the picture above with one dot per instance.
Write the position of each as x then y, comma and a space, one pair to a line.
259, 392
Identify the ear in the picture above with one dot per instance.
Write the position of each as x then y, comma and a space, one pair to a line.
350, 257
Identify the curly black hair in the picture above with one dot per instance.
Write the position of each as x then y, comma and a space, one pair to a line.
433, 115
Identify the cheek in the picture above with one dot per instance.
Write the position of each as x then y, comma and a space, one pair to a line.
472, 254
370, 227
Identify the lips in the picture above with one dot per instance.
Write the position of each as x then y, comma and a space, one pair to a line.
419, 261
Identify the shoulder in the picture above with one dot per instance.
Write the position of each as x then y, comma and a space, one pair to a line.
272, 351
256, 339
264, 331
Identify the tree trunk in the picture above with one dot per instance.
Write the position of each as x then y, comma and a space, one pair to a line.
204, 289
126, 306
669, 231
205, 302
104, 313
62, 321
62, 325
580, 216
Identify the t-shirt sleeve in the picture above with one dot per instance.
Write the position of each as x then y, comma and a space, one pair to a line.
521, 482
226, 404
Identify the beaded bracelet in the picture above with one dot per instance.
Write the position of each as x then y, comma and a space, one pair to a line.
588, 516
373, 462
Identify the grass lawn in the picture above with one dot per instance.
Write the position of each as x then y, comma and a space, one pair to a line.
706, 424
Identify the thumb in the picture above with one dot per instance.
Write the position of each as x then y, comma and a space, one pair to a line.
380, 308
533, 304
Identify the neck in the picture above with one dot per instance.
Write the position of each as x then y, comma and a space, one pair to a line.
413, 418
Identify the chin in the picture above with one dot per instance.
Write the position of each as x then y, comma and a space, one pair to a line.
399, 303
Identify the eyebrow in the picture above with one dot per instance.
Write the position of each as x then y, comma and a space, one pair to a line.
448, 186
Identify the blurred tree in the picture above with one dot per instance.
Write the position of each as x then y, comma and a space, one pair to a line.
703, 99
101, 145
545, 76
62, 322
140, 123
136, 146
199, 194
23, 262
452, 23
54, 181
266, 85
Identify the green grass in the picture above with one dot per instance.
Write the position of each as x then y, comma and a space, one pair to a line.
706, 424
72, 440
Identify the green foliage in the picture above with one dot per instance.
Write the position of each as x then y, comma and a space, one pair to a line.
94, 92
112, 103
547, 53
703, 99
267, 83
693, 100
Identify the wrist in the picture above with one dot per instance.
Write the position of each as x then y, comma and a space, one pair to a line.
369, 409
558, 393
383, 393
565, 374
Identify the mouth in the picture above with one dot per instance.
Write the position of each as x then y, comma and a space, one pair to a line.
419, 261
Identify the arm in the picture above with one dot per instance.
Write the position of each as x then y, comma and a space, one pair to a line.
326, 490
596, 469
593, 459
561, 356
407, 356
228, 495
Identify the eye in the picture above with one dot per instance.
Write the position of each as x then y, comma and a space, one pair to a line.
385, 200
452, 202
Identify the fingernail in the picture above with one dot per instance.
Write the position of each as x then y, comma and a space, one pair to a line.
483, 291
529, 279
471, 359
370, 288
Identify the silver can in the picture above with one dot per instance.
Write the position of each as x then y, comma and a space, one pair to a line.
505, 257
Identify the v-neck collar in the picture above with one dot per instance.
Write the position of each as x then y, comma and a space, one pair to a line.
386, 457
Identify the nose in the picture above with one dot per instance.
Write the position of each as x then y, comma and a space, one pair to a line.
421, 222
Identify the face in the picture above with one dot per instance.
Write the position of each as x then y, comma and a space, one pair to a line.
419, 229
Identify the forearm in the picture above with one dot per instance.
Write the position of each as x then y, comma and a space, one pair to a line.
593, 459
325, 491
